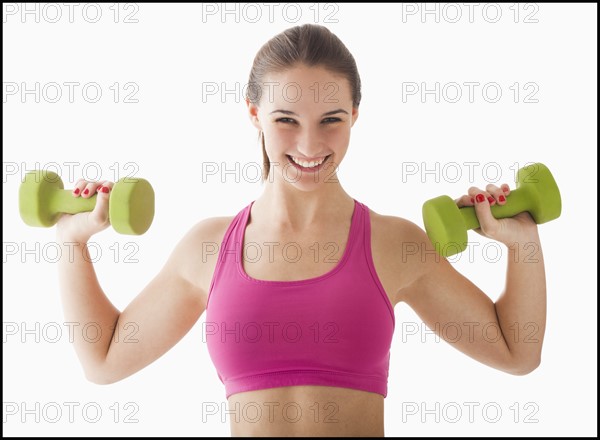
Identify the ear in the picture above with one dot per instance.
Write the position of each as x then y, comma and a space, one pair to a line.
253, 114
354, 115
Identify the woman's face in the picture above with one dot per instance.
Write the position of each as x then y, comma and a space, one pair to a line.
305, 113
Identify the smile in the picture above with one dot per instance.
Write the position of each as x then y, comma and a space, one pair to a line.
307, 165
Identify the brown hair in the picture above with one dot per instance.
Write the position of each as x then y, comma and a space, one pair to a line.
307, 44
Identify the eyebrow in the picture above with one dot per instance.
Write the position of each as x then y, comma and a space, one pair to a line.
287, 112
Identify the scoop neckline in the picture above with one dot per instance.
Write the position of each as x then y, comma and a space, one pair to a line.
333, 271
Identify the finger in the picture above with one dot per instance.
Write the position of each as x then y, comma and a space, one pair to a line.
474, 192
108, 185
101, 185
79, 187
505, 189
487, 223
465, 200
89, 190
496, 193
105, 188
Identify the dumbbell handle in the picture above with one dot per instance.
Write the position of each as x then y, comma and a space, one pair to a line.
516, 202
63, 201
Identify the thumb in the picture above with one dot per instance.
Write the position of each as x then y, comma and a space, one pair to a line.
99, 215
488, 224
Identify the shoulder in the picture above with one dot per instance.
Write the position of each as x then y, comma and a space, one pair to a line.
196, 253
210, 228
207, 234
401, 251
395, 229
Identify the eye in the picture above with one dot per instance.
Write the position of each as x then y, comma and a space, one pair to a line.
326, 120
285, 119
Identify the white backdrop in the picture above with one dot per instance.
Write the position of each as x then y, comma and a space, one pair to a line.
163, 70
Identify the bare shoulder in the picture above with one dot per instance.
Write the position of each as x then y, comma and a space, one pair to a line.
211, 226
197, 251
398, 246
397, 225
396, 235
205, 232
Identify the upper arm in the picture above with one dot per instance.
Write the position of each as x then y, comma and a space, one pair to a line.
447, 302
165, 310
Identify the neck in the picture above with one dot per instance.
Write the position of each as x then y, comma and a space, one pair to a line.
288, 208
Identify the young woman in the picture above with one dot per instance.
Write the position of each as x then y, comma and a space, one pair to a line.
302, 337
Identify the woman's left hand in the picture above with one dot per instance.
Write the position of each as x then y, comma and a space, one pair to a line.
506, 230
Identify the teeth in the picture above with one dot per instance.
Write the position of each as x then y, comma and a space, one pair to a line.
310, 164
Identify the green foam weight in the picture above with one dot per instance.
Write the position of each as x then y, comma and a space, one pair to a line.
537, 193
42, 199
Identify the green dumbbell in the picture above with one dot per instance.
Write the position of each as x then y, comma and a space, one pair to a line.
537, 193
42, 199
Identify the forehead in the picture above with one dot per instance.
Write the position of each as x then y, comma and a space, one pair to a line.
303, 85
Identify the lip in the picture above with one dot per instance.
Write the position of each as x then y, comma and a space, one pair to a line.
309, 170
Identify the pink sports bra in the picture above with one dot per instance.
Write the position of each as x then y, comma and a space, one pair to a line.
332, 330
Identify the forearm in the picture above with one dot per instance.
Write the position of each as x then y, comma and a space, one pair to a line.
521, 308
85, 305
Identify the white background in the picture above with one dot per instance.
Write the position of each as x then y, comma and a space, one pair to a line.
170, 132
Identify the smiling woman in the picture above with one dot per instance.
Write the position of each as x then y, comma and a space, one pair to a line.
301, 339
307, 129
303, 46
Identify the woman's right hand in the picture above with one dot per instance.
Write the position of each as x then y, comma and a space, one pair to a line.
82, 226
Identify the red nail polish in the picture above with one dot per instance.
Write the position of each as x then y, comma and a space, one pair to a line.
86, 191
76, 191
105, 189
490, 199
502, 198
472, 200
480, 198
99, 188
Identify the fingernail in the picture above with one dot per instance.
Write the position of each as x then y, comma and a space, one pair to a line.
502, 198
105, 189
480, 198
490, 199
76, 191
472, 200
86, 191
99, 188
505, 189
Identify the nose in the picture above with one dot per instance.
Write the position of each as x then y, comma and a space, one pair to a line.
310, 144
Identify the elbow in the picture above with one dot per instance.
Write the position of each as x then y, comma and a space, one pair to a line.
524, 368
98, 379
99, 376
